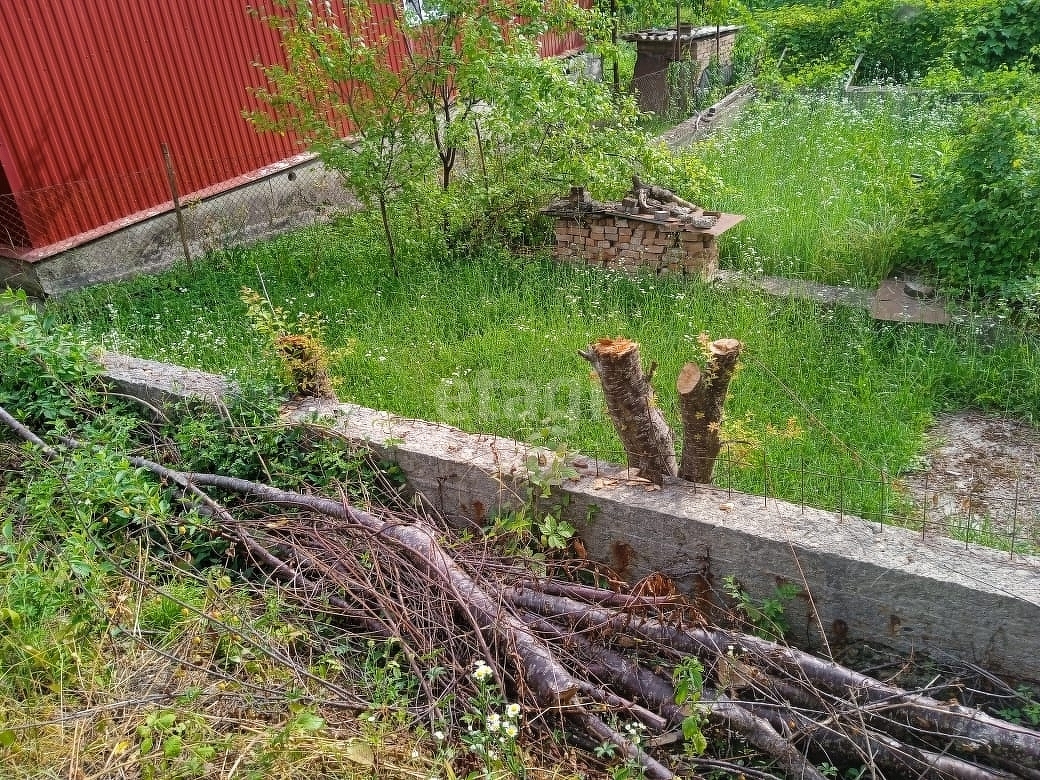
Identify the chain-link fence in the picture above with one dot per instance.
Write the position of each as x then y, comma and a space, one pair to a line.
972, 502
966, 505
112, 237
681, 90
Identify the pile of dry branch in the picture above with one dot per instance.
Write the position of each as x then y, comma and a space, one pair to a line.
582, 657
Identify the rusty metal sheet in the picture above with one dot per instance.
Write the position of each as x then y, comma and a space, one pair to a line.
893, 303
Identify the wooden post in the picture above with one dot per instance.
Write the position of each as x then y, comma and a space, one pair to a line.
171, 178
678, 31
614, 24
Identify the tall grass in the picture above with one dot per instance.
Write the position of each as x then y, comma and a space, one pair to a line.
825, 180
491, 346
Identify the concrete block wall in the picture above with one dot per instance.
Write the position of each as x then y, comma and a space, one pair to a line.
859, 581
289, 195
628, 243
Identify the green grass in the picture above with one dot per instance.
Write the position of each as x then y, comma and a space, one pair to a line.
828, 406
824, 181
491, 345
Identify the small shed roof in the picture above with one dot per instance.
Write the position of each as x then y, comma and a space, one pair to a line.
687, 33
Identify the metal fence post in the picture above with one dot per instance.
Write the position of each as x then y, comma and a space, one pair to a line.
171, 178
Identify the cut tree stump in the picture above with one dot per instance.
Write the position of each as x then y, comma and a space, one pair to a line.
644, 434
702, 394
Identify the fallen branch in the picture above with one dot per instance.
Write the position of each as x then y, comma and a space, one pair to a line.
661, 193
888, 753
601, 731
582, 651
552, 683
970, 730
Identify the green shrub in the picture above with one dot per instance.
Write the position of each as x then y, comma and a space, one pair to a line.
1009, 34
45, 373
977, 222
897, 39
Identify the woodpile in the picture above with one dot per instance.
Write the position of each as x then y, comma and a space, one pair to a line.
650, 228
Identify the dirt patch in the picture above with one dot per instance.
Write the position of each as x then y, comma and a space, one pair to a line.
981, 481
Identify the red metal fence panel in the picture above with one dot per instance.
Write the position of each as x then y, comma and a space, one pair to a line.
560, 44
90, 91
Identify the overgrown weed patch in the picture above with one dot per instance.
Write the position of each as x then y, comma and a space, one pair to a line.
825, 180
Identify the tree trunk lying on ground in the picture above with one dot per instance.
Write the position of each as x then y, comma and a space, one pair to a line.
588, 657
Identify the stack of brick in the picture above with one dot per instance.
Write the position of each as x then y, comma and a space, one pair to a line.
644, 235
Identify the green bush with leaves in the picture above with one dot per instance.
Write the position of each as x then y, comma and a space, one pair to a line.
45, 373
462, 143
898, 39
977, 222
1008, 35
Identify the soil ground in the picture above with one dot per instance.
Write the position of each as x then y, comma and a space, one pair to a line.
981, 481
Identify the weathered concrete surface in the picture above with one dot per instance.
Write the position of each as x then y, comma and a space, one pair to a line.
893, 304
291, 196
703, 123
161, 385
860, 581
782, 287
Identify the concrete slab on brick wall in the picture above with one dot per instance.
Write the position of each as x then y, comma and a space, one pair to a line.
885, 585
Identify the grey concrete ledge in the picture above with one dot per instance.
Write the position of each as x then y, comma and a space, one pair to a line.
162, 385
859, 581
703, 123
292, 194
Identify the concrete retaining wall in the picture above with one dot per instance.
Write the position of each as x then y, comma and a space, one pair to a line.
860, 581
288, 197
703, 123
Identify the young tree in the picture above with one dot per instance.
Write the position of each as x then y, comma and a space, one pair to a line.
385, 101
340, 93
395, 105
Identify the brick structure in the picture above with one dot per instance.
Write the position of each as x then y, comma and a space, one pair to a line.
656, 49
644, 230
